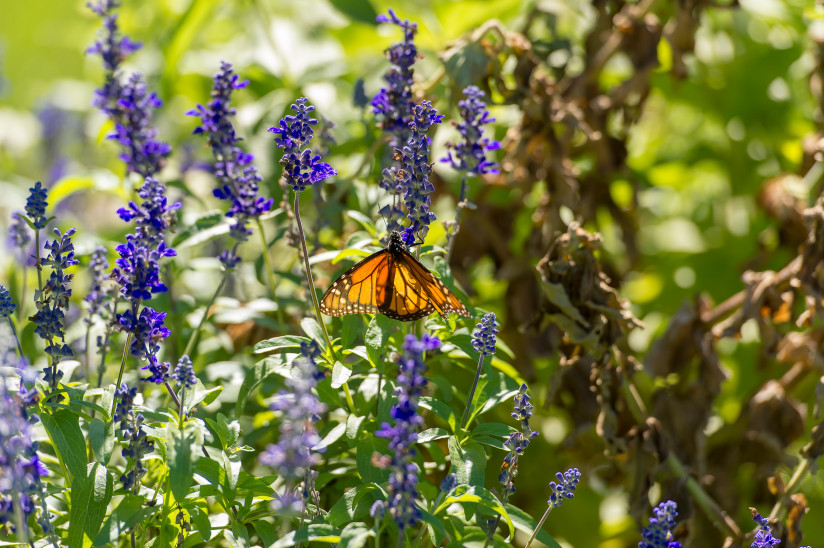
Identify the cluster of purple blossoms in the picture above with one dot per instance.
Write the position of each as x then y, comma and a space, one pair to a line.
411, 180
6, 305
403, 433
18, 231
469, 155
237, 175
661, 524
20, 467
130, 428
137, 271
395, 103
301, 168
98, 296
52, 301
292, 456
36, 205
517, 441
484, 338
564, 488
129, 105
184, 373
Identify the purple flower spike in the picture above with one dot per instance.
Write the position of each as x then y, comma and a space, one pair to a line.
470, 154
403, 433
661, 524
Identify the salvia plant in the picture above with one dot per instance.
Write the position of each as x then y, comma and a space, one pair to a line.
171, 380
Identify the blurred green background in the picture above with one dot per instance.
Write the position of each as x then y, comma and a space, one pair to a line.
701, 153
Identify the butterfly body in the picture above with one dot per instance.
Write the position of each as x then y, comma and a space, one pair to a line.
391, 282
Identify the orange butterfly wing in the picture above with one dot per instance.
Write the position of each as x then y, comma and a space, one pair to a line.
433, 290
391, 282
361, 289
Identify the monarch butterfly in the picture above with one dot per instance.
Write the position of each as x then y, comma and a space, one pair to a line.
391, 282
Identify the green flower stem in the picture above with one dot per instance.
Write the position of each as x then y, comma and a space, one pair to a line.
87, 362
472, 390
193, 337
799, 473
120, 373
349, 401
538, 527
458, 209
20, 522
270, 273
37, 263
23, 284
16, 339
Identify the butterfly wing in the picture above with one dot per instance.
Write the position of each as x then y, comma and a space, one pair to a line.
421, 282
407, 300
361, 289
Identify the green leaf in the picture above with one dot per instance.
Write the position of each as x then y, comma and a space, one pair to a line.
200, 519
354, 424
437, 530
126, 514
355, 535
432, 434
201, 394
315, 532
466, 494
524, 522
352, 504
440, 409
266, 531
493, 429
90, 496
340, 374
203, 222
67, 186
367, 470
364, 220
334, 435
468, 462
182, 458
377, 335
290, 342
259, 373
313, 330
238, 537
101, 435
63, 428
352, 324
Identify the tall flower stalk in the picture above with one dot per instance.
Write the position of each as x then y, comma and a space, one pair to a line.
302, 169
237, 177
6, 311
516, 444
136, 444
484, 339
36, 205
469, 155
292, 456
52, 302
403, 433
564, 488
19, 237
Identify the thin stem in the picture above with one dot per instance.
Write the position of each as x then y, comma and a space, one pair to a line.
171, 391
799, 474
349, 401
86, 369
122, 367
458, 209
193, 337
37, 262
20, 521
16, 340
472, 390
538, 527
23, 283
270, 272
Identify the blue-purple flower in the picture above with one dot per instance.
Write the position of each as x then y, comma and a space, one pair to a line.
18, 231
301, 168
148, 332
20, 467
395, 103
403, 432
661, 524
469, 155
52, 302
517, 441
130, 430
36, 205
564, 488
6, 305
412, 178
234, 169
293, 455
129, 105
184, 373
763, 537
485, 335
98, 296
